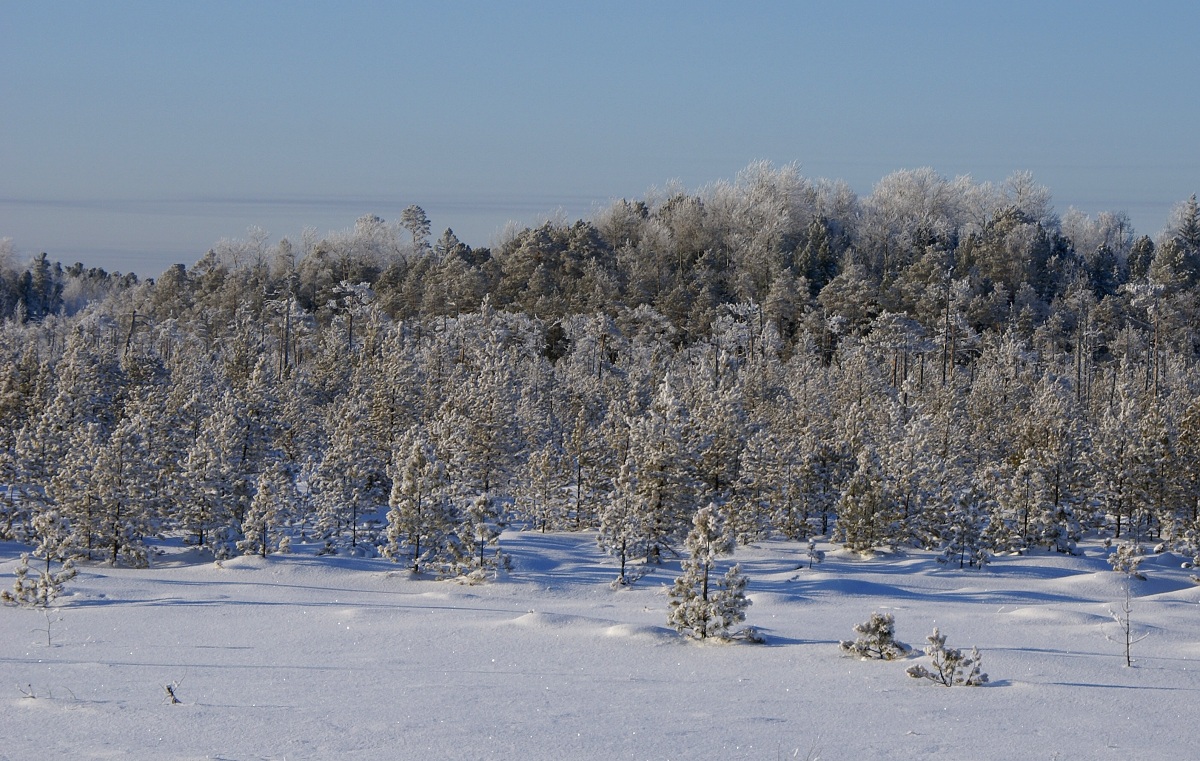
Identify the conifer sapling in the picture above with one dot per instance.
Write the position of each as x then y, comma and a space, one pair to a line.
876, 639
950, 666
1126, 560
696, 608
54, 535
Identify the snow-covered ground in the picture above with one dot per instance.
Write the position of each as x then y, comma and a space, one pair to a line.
306, 657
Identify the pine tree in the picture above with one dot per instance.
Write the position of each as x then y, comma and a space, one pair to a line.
207, 480
54, 545
538, 493
761, 486
422, 514
864, 516
620, 533
950, 667
341, 485
123, 488
701, 605
962, 537
1116, 459
264, 527
74, 491
478, 535
480, 445
1046, 480
581, 443
664, 487
41, 592
1126, 560
24, 383
717, 423
876, 639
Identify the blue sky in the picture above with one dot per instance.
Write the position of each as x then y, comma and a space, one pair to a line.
136, 134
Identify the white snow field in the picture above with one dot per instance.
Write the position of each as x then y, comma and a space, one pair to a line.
305, 657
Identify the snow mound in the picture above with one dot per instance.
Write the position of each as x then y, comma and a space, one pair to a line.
632, 631
773, 598
536, 620
1047, 615
852, 587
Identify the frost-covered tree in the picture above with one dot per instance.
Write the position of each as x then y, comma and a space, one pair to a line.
963, 533
582, 459
540, 490
422, 514
1117, 467
123, 490
208, 501
86, 395
342, 485
950, 667
264, 528
763, 491
54, 545
24, 384
40, 592
416, 222
815, 556
478, 546
702, 604
876, 639
1040, 494
713, 394
661, 463
75, 492
864, 511
621, 530
480, 445
1126, 560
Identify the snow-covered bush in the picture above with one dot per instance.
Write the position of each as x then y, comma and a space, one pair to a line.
876, 639
950, 666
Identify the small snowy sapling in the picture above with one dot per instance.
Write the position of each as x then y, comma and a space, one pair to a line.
876, 639
950, 666
1126, 560
814, 555
39, 592
696, 608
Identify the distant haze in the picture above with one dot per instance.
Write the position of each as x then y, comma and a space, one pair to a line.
136, 135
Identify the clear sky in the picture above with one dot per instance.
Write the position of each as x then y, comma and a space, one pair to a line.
137, 134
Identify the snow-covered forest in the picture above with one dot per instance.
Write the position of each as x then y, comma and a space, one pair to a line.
942, 364
942, 406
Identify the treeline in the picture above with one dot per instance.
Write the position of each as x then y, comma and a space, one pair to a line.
43, 289
941, 364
